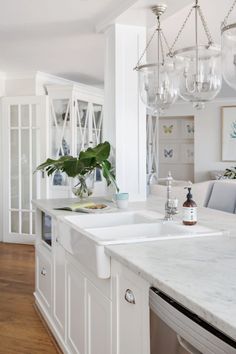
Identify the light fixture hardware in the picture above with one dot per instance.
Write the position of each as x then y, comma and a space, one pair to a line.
228, 41
199, 65
158, 83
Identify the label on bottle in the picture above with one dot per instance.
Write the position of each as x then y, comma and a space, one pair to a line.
190, 214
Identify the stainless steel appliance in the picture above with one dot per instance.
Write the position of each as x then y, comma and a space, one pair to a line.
176, 330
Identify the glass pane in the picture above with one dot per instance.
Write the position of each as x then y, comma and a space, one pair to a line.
25, 223
59, 179
14, 115
60, 112
14, 169
15, 221
64, 148
25, 115
82, 116
61, 133
35, 176
33, 109
98, 115
25, 170
97, 124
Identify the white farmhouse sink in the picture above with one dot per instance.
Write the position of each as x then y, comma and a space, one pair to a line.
85, 236
148, 232
114, 219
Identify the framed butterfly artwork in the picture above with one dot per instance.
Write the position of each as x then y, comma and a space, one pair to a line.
187, 129
168, 129
228, 133
187, 153
169, 153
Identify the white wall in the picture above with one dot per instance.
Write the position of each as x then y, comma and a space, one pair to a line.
208, 131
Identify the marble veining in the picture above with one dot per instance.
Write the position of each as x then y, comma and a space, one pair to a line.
198, 273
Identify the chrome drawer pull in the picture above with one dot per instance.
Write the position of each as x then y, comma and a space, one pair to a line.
129, 296
43, 272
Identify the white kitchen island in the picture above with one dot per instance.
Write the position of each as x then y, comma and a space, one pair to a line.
88, 314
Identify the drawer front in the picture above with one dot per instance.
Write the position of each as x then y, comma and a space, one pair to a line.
44, 277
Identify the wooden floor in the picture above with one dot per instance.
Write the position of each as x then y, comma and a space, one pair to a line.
21, 330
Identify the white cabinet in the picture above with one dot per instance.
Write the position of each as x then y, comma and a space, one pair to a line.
130, 311
59, 288
75, 123
99, 321
44, 277
76, 309
88, 314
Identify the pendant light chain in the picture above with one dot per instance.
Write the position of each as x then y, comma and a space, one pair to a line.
204, 24
224, 23
160, 39
145, 50
180, 32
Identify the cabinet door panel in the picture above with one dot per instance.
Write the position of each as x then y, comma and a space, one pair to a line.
132, 323
59, 288
43, 277
75, 310
99, 321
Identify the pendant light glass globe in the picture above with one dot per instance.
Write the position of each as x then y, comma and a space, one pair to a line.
200, 77
158, 85
229, 54
158, 82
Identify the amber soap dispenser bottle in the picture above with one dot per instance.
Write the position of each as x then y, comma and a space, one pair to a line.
189, 210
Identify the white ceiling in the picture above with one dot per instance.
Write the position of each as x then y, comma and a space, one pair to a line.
59, 37
55, 36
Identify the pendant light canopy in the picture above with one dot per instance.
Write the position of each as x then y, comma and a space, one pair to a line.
158, 82
199, 66
228, 37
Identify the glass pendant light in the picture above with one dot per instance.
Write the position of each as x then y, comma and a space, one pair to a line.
228, 39
158, 82
200, 77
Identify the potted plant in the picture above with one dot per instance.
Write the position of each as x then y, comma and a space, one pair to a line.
230, 173
82, 168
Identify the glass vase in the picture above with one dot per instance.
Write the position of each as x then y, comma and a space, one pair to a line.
83, 185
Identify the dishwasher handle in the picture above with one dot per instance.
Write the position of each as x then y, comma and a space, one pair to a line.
187, 346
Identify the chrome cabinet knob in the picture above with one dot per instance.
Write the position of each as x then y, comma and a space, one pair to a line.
43, 272
129, 296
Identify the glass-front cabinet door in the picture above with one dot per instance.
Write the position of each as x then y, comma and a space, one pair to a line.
60, 135
76, 118
24, 148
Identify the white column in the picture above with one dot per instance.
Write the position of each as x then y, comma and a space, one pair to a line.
125, 115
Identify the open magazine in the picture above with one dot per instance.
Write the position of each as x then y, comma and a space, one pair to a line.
88, 207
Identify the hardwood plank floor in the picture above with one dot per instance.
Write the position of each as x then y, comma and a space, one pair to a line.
21, 330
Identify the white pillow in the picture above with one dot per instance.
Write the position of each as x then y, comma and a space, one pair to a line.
223, 197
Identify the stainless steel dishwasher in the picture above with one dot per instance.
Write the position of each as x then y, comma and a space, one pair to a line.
176, 330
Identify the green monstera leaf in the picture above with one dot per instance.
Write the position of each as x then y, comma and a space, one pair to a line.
87, 162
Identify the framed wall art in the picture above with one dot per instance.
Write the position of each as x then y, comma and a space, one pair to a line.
169, 153
228, 133
187, 153
168, 129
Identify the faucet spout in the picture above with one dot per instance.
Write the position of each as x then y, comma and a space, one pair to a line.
171, 205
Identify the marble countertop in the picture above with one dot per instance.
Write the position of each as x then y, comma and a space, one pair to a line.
200, 273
